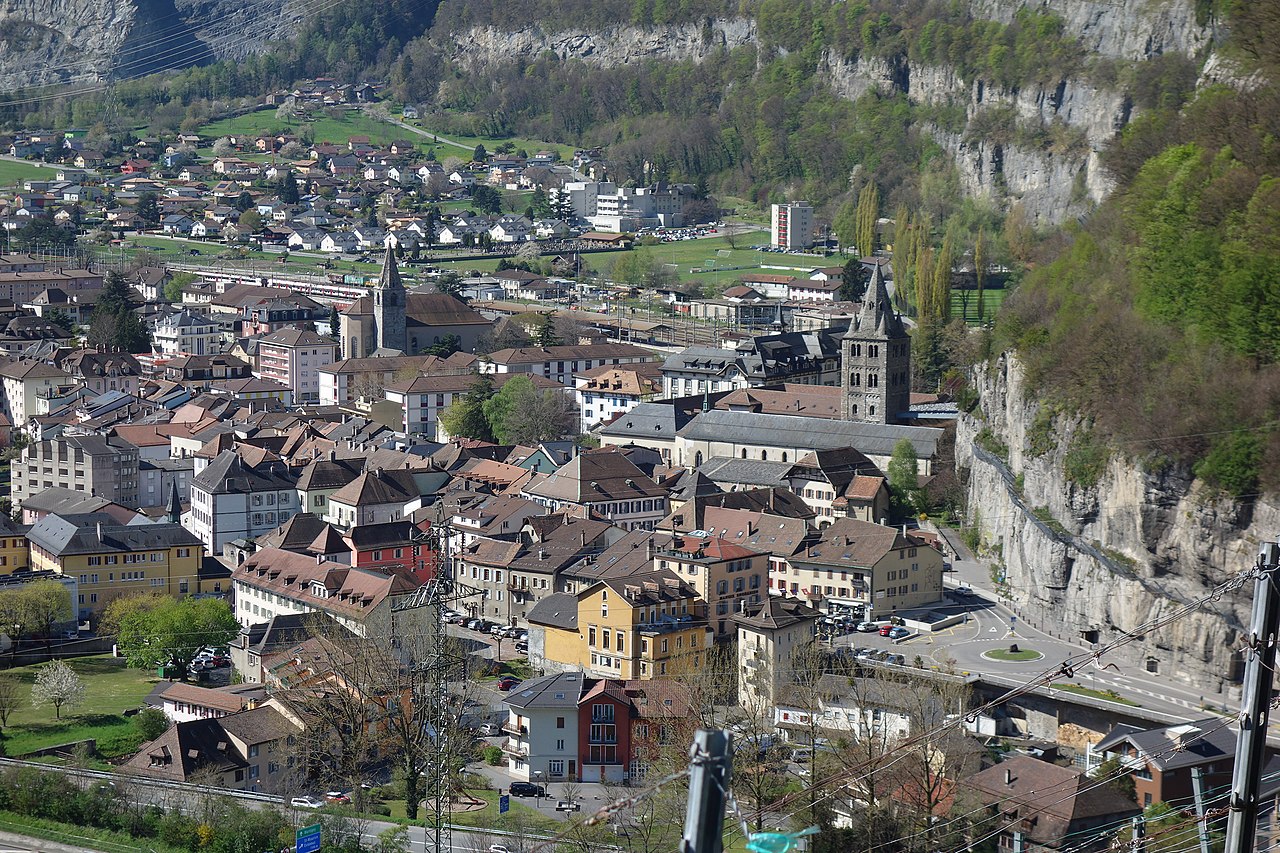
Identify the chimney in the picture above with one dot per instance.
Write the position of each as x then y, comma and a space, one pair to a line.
1008, 776
99, 529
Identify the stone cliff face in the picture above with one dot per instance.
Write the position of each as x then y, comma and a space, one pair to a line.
1052, 180
1097, 562
44, 42
615, 45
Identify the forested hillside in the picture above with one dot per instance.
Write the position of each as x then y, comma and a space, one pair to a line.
1158, 317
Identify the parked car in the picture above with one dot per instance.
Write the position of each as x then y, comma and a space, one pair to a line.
527, 789
898, 633
896, 660
568, 806
963, 592
336, 797
474, 624
885, 629
868, 627
506, 682
488, 729
522, 647
307, 802
498, 848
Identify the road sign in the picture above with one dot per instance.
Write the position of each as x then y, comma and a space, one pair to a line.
307, 839
504, 804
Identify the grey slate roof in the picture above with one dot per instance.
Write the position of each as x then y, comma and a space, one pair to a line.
96, 532
648, 420
812, 433
751, 472
1203, 741
558, 610
228, 474
551, 691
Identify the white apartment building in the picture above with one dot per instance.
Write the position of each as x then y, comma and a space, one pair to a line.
562, 363
609, 207
792, 226
542, 728
232, 500
186, 332
293, 357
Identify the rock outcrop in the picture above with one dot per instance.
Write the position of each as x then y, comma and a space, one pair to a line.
46, 42
1098, 562
610, 46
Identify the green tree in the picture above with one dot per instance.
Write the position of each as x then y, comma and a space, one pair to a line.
59, 318
50, 604
156, 628
149, 209
445, 347
867, 215
244, 201
942, 280
174, 286
479, 155
287, 188
151, 723
43, 232
853, 280
114, 324
250, 222
980, 271
335, 322
486, 199
10, 696
498, 408
546, 335
904, 484
466, 418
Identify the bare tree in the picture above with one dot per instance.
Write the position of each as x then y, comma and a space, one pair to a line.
10, 696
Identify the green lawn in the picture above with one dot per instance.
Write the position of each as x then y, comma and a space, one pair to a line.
1106, 695
520, 815
321, 129
530, 146
1019, 655
991, 300
716, 265
110, 689
13, 173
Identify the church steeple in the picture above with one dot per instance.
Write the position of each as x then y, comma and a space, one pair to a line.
876, 359
174, 513
389, 307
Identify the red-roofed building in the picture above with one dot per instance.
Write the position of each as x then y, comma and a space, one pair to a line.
727, 576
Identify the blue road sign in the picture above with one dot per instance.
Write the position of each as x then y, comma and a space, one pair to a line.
307, 839
504, 806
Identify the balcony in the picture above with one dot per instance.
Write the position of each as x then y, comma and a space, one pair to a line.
515, 750
517, 731
603, 741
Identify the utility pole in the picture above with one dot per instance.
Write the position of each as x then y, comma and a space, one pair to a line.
711, 757
1255, 704
1197, 789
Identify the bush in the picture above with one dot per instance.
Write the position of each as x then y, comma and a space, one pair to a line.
493, 755
1086, 459
151, 723
990, 442
1041, 437
1232, 464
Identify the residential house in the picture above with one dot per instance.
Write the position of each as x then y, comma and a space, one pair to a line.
186, 332
111, 560
231, 499
1081, 815
645, 626
602, 484
1165, 760
182, 702
252, 750
23, 382
768, 635
606, 392
562, 363
807, 358
864, 569
272, 582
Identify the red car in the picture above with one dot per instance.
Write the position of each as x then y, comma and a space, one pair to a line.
885, 629
506, 682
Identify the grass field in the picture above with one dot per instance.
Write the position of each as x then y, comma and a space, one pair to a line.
322, 129
110, 689
1020, 655
11, 172
1107, 695
991, 300
530, 146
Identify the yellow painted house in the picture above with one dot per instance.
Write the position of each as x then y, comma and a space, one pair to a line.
634, 627
109, 559
15, 554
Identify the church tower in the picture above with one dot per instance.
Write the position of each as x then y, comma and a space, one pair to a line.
876, 360
388, 307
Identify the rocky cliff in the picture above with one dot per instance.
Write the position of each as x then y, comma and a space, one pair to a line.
44, 42
606, 47
1096, 562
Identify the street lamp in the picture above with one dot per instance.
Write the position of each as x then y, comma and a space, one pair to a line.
537, 782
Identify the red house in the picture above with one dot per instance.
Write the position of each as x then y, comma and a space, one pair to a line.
391, 545
134, 167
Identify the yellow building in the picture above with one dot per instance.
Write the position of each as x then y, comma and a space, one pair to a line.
15, 554
635, 627
109, 559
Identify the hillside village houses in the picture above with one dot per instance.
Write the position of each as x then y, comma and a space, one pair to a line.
301, 472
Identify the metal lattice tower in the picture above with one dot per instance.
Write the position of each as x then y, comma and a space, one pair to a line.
432, 707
